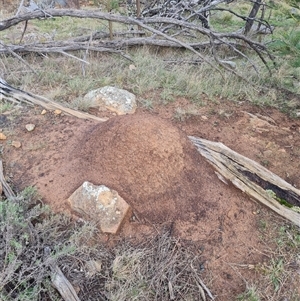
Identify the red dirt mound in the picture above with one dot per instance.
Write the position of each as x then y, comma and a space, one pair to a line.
155, 168
151, 163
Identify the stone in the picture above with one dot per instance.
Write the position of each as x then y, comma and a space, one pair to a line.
101, 205
113, 99
57, 112
132, 67
2, 136
16, 144
30, 127
43, 112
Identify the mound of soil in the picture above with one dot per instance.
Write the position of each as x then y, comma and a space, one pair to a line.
149, 161
152, 164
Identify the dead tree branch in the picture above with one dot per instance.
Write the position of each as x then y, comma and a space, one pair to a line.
172, 26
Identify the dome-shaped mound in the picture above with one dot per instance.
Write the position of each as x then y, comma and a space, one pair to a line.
145, 154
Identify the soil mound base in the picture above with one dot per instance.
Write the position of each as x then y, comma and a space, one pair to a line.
146, 159
217, 219
145, 153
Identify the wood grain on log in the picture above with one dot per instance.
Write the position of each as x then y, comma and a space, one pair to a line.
251, 178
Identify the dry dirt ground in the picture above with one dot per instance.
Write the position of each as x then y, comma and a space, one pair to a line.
149, 160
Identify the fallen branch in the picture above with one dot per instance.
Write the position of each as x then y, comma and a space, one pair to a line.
149, 24
252, 178
63, 285
12, 94
6, 188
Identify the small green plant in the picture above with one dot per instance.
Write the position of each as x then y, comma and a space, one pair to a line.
5, 106
249, 295
276, 271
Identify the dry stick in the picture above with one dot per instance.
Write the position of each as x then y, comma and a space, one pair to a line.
86, 55
121, 19
187, 46
6, 188
11, 92
202, 284
245, 173
63, 285
20, 8
74, 57
23, 33
17, 56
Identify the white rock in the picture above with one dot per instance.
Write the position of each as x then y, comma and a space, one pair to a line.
101, 205
30, 127
113, 99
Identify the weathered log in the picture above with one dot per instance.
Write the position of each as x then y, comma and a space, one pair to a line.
252, 178
149, 24
13, 94
6, 188
62, 284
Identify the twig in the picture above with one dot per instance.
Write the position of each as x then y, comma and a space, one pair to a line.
202, 284
6, 188
74, 57
20, 8
86, 55
9, 92
17, 56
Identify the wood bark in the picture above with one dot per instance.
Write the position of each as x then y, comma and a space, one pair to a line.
251, 178
12, 94
63, 285
252, 15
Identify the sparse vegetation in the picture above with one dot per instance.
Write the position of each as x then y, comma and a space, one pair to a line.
33, 240
159, 76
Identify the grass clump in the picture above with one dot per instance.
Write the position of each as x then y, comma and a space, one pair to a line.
250, 294
27, 229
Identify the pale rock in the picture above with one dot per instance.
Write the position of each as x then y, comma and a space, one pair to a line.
204, 117
2, 136
43, 112
101, 205
132, 67
113, 99
30, 127
57, 112
16, 144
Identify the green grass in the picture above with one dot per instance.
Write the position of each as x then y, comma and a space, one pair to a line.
249, 295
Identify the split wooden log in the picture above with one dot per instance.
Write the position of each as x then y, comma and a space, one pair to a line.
252, 178
13, 94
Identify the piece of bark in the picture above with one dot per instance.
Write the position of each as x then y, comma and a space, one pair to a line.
6, 188
251, 178
62, 284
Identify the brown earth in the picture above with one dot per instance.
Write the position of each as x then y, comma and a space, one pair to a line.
149, 160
